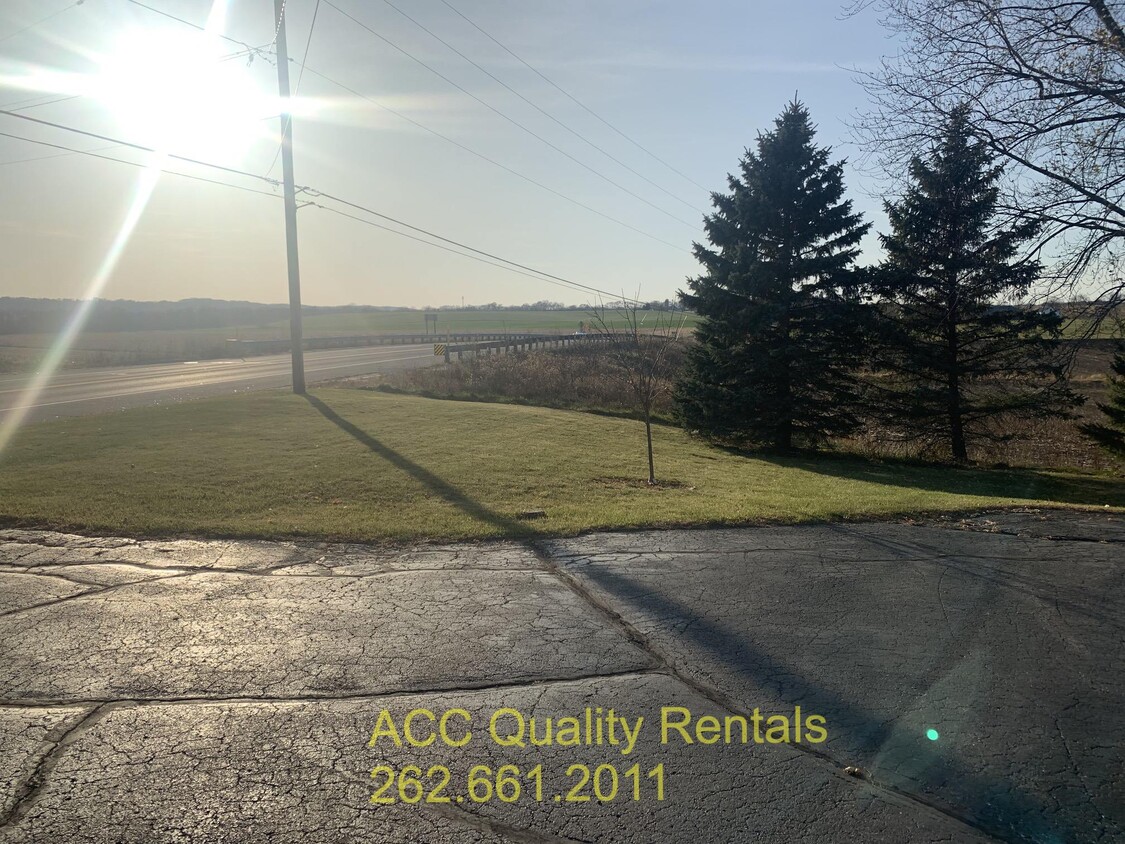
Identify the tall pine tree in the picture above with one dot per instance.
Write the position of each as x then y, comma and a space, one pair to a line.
958, 359
777, 340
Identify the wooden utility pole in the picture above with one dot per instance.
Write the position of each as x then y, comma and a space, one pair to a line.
295, 338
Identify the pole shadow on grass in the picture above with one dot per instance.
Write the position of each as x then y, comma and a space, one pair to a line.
998, 806
510, 527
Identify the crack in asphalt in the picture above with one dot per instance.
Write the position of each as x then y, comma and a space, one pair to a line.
1062, 537
272, 572
471, 820
196, 700
31, 783
31, 765
30, 572
522, 835
95, 561
60, 737
89, 593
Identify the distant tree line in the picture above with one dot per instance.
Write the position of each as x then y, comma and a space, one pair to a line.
38, 316
542, 305
43, 316
546, 305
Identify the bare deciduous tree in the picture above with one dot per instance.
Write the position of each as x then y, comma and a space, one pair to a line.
1045, 84
640, 346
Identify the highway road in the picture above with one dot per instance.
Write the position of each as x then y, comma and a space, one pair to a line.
90, 391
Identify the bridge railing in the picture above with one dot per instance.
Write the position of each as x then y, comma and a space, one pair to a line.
247, 348
510, 344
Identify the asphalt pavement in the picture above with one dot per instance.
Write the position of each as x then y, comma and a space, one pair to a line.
968, 676
89, 391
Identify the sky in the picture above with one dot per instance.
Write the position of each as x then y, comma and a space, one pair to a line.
691, 83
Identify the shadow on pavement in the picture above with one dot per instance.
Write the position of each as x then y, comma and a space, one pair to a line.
994, 805
1087, 601
914, 765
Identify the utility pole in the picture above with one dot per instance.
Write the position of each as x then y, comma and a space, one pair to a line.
295, 340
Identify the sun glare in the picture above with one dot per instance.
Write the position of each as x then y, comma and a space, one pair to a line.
179, 93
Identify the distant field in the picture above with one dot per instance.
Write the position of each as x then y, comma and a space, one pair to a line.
22, 352
365, 466
454, 321
19, 352
1083, 328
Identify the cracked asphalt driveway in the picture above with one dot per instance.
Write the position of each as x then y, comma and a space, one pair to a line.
969, 671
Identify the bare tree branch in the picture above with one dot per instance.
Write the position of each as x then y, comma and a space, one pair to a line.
640, 355
1045, 80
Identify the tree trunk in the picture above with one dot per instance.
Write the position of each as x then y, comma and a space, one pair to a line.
785, 435
956, 428
953, 400
784, 439
648, 436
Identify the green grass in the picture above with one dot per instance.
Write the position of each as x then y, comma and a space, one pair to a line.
368, 466
456, 321
1081, 330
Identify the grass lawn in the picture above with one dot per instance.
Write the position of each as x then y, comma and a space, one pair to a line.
368, 466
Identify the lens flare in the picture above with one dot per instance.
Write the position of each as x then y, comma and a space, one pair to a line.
143, 82
176, 93
145, 186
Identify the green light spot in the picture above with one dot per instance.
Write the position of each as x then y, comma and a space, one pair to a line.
932, 734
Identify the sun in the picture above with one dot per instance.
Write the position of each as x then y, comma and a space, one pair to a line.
183, 93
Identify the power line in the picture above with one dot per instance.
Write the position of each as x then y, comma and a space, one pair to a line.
511, 120
573, 98
18, 105
280, 18
433, 132
41, 21
135, 146
493, 161
263, 52
542, 111
305, 55
49, 102
541, 274
373, 212
438, 245
96, 154
297, 88
248, 48
69, 151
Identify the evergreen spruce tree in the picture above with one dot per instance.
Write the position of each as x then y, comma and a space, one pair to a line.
1110, 434
957, 358
777, 341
